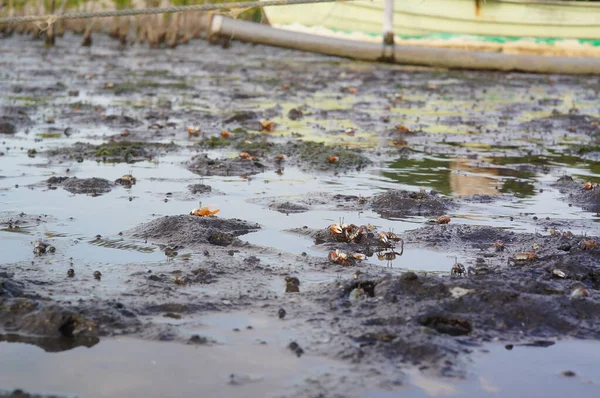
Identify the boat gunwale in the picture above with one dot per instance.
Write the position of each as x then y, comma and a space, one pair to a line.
568, 3
479, 19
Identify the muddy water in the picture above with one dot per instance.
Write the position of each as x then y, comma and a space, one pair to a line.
135, 368
469, 134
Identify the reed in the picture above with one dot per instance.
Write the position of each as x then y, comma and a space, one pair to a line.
158, 31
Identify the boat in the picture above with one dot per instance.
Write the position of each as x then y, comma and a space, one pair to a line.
540, 36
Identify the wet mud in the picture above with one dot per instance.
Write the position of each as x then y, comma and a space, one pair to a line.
193, 230
384, 218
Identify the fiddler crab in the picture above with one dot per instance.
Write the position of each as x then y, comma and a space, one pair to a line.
522, 258
389, 256
348, 232
458, 268
201, 211
499, 246
180, 280
171, 251
588, 244
40, 247
390, 239
440, 220
193, 131
345, 259
247, 156
267, 126
127, 180
579, 290
292, 284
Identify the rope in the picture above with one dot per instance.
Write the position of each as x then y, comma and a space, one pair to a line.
146, 11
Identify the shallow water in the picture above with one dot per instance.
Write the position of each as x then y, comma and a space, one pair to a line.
248, 366
461, 162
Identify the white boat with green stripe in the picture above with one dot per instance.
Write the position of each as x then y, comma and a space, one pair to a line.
546, 36
542, 27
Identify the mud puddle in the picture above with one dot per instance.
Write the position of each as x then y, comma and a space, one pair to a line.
124, 367
251, 367
562, 368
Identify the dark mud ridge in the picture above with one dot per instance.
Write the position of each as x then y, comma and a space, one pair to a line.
258, 154
396, 203
505, 295
113, 151
27, 317
193, 231
577, 194
94, 186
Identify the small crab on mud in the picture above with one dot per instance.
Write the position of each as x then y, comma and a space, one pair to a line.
458, 268
171, 251
499, 246
126, 180
201, 211
339, 257
390, 239
588, 244
522, 258
348, 232
389, 256
440, 220
40, 247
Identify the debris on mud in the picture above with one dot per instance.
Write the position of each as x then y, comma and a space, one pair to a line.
90, 186
193, 231
396, 203
288, 207
199, 188
576, 193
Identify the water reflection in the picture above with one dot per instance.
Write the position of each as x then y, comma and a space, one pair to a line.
51, 344
463, 176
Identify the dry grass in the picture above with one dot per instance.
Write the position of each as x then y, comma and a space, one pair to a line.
160, 30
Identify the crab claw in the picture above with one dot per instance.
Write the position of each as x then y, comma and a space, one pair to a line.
332, 256
335, 228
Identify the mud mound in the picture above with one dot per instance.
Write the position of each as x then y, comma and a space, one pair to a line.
191, 230
94, 186
205, 166
389, 314
576, 194
288, 207
318, 156
28, 316
199, 188
405, 203
12, 119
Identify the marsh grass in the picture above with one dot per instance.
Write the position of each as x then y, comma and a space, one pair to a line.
159, 30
